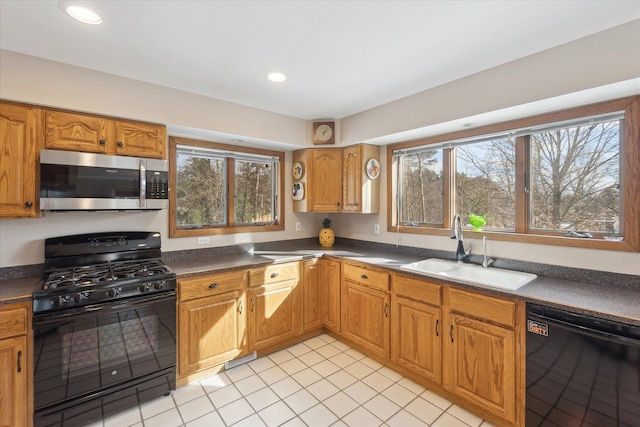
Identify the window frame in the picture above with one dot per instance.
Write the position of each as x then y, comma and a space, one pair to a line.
230, 227
630, 177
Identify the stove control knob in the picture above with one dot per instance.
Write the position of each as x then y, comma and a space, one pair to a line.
145, 287
62, 300
159, 284
114, 292
81, 297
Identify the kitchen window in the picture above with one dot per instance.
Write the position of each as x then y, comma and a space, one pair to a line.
221, 189
567, 178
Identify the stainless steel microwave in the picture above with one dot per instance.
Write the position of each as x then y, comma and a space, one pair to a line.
72, 180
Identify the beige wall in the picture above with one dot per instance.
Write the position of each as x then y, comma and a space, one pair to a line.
577, 66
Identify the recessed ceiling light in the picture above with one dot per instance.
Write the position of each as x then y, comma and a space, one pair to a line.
276, 76
83, 14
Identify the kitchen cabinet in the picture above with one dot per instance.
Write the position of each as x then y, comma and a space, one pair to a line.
16, 407
211, 320
275, 305
330, 274
311, 291
66, 130
20, 142
484, 352
335, 180
365, 307
416, 326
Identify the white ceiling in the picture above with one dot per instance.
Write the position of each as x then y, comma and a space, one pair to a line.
341, 57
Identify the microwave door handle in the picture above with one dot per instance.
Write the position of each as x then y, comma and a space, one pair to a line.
143, 184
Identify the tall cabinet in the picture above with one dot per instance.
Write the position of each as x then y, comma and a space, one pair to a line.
337, 179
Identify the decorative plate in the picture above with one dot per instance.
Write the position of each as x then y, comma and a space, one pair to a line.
298, 191
297, 170
373, 168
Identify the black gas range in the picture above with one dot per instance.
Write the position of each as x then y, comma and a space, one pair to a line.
104, 327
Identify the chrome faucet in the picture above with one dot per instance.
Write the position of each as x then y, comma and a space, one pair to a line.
486, 262
456, 233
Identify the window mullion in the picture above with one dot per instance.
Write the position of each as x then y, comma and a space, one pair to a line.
231, 192
449, 186
522, 184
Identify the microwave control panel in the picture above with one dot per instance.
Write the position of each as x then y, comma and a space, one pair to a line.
157, 185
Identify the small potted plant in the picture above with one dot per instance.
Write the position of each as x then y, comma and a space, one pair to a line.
477, 221
326, 237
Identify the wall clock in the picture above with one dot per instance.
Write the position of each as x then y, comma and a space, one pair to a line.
324, 133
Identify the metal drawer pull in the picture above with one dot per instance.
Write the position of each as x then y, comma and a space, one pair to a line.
19, 357
364, 276
251, 304
213, 286
240, 306
274, 275
386, 309
451, 333
437, 322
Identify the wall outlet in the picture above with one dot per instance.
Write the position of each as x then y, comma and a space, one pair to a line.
376, 228
298, 226
203, 240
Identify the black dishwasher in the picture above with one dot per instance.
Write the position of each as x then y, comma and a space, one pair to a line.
581, 370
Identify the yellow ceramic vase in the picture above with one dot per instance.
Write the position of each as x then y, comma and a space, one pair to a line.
326, 237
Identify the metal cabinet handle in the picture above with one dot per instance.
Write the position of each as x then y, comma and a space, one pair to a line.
120, 144
252, 304
386, 309
213, 286
364, 276
338, 204
28, 204
437, 322
103, 142
240, 306
274, 275
19, 357
451, 333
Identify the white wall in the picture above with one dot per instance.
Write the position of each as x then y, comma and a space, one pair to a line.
37, 81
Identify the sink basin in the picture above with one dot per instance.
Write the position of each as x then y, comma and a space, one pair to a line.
475, 274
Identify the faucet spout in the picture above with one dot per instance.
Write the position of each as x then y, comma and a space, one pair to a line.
486, 262
456, 233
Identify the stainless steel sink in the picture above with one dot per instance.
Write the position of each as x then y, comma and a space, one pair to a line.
475, 274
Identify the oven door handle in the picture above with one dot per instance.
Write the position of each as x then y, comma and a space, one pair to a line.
135, 302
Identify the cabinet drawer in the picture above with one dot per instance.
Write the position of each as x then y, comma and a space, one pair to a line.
417, 289
274, 273
486, 307
366, 276
14, 320
210, 284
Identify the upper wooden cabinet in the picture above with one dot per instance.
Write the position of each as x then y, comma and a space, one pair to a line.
336, 180
20, 142
95, 134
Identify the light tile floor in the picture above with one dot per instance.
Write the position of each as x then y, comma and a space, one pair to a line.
320, 382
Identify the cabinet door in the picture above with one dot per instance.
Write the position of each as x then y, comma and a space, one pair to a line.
365, 317
19, 146
330, 295
78, 132
352, 179
415, 330
325, 180
481, 363
211, 331
311, 312
140, 139
13, 382
274, 314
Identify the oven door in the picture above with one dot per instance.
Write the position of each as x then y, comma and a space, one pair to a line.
99, 359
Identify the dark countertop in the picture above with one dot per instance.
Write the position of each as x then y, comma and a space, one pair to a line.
604, 299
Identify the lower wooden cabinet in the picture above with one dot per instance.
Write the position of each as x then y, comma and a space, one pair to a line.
366, 308
330, 278
16, 408
211, 320
312, 294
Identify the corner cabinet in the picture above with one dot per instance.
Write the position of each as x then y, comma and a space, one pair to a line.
484, 352
330, 274
275, 305
73, 131
211, 320
16, 408
20, 142
335, 180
